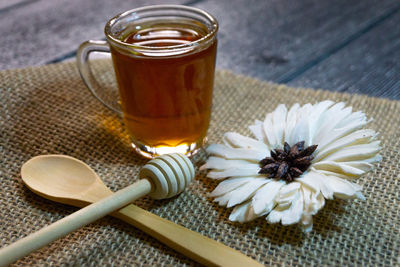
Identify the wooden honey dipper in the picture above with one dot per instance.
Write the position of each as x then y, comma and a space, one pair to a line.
70, 181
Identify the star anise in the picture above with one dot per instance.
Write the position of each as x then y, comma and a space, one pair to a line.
289, 162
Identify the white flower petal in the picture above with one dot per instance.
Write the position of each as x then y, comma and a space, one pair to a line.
226, 143
291, 120
218, 163
329, 120
275, 215
263, 200
343, 188
287, 193
317, 202
293, 214
360, 196
355, 153
288, 214
230, 184
279, 120
235, 153
222, 200
257, 131
325, 172
242, 213
316, 119
239, 141
240, 194
306, 218
320, 179
307, 199
340, 132
250, 170
309, 181
268, 130
307, 222
334, 133
357, 137
338, 167
315, 181
244, 192
361, 165
374, 159
351, 118
322, 107
301, 131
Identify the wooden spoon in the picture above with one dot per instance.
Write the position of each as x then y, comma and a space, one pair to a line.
67, 180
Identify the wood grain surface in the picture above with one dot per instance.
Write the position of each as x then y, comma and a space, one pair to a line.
369, 65
342, 45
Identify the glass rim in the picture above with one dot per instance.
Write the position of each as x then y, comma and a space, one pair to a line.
210, 35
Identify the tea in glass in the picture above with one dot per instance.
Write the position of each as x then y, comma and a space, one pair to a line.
164, 62
166, 99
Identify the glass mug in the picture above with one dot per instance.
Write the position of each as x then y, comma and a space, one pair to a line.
164, 63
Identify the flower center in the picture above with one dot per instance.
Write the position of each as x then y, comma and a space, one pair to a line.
289, 162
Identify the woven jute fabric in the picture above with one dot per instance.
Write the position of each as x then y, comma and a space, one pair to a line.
48, 110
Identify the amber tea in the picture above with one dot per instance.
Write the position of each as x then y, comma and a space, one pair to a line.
166, 100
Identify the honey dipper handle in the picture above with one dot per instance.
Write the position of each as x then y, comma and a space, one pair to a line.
191, 244
74, 221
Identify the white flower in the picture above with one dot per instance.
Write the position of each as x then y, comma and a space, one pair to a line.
345, 151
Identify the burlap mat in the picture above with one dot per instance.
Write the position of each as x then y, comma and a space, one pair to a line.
49, 110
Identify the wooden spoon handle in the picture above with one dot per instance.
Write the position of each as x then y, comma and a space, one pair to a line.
74, 221
192, 244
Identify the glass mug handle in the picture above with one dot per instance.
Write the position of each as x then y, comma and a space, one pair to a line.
87, 75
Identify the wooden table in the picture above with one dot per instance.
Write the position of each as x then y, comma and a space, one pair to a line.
342, 45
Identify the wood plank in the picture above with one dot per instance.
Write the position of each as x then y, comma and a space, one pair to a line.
369, 65
268, 39
39, 32
6, 5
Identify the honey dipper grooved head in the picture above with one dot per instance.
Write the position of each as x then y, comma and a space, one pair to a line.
169, 173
